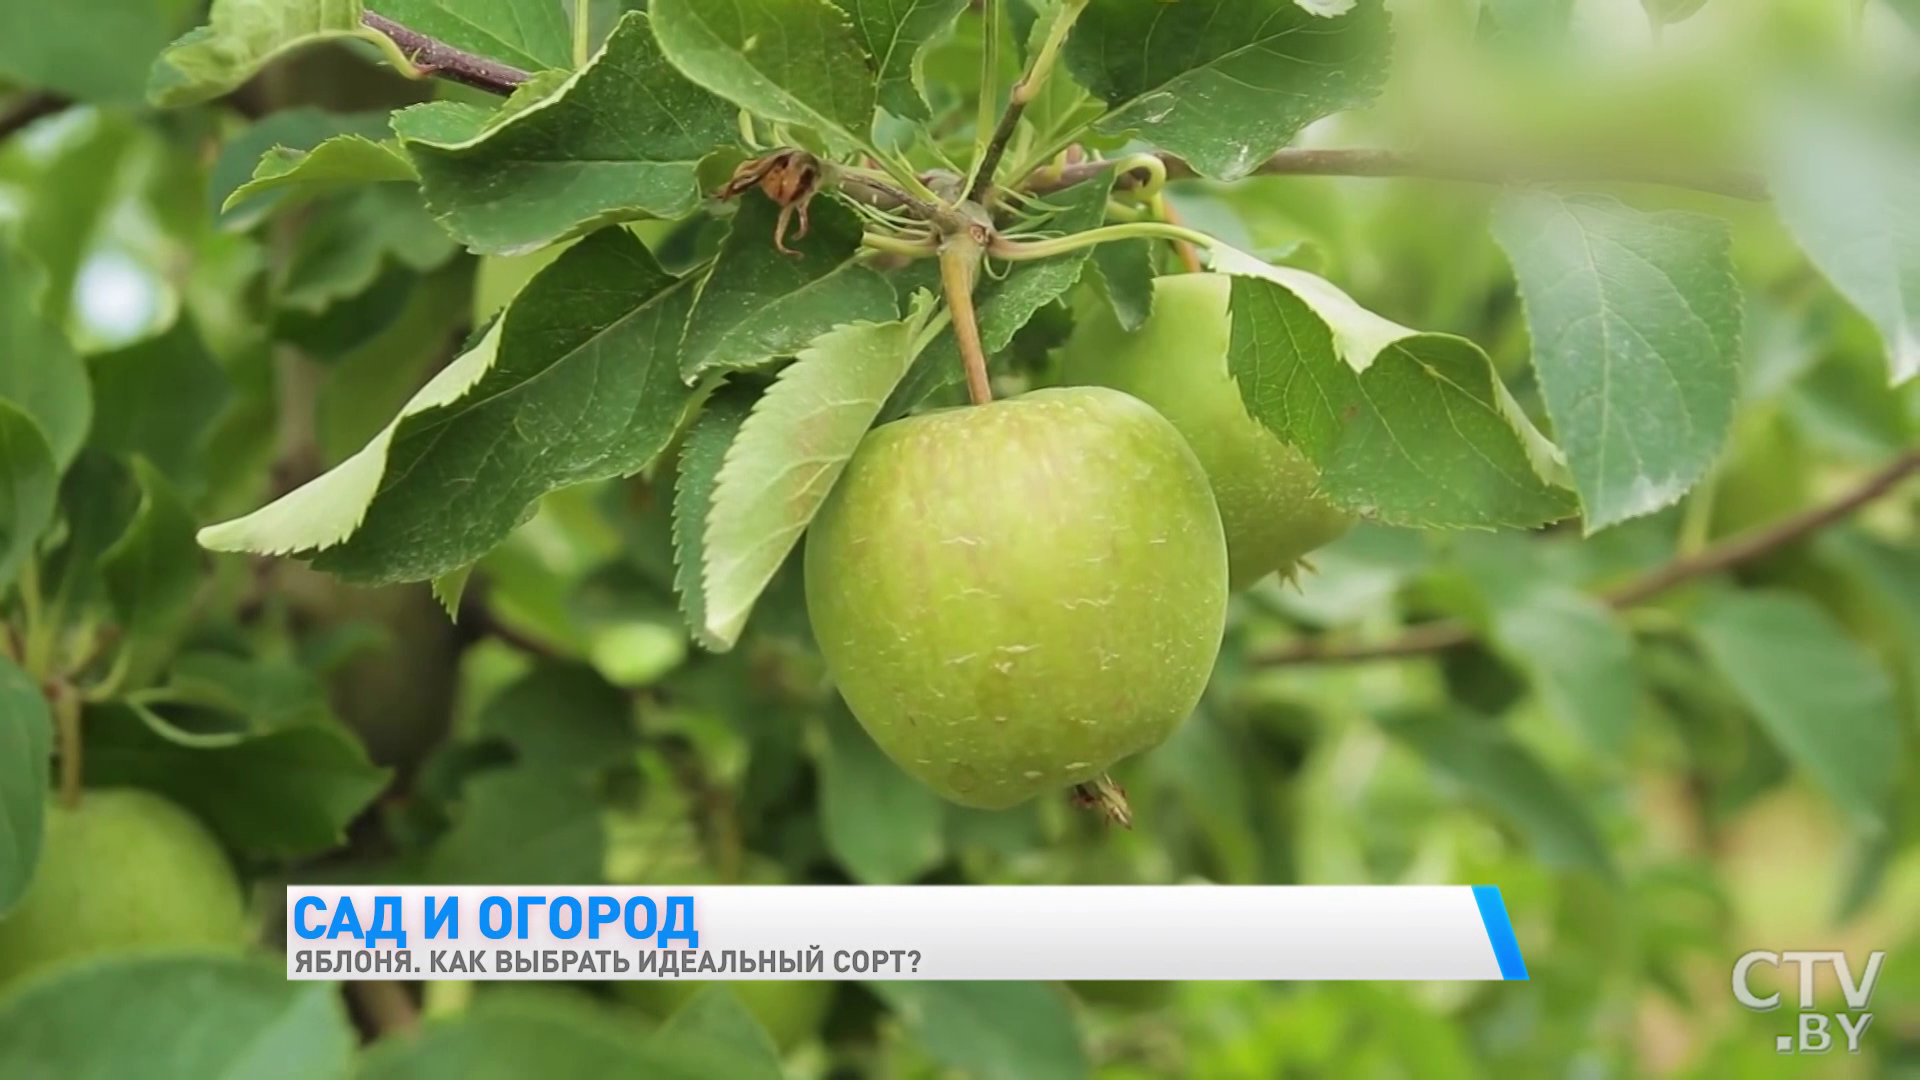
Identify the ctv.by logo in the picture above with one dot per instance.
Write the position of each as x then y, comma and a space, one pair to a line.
1814, 1035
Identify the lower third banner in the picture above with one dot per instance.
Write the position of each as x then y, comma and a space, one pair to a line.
1175, 932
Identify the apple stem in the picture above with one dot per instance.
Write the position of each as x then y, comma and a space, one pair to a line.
1102, 794
960, 255
66, 718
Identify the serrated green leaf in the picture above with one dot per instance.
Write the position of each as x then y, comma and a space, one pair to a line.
529, 34
1849, 191
284, 792
449, 588
896, 34
788, 455
756, 304
884, 826
1493, 768
243, 36
29, 488
1225, 83
1007, 303
39, 372
26, 747
89, 50
343, 161
1824, 701
700, 460
992, 1030
1407, 428
1636, 322
281, 131
178, 1016
158, 398
153, 570
620, 139
789, 61
579, 380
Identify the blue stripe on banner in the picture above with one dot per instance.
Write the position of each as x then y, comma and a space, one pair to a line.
1506, 948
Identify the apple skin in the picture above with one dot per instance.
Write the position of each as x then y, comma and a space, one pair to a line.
1011, 597
1267, 490
124, 870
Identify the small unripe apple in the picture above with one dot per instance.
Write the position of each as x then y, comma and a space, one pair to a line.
1011, 597
1177, 362
123, 870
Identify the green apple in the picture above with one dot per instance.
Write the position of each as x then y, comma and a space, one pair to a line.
124, 870
1268, 492
1012, 597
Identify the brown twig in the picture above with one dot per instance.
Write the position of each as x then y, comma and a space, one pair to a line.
1024, 91
435, 57
1189, 257
24, 110
66, 718
1400, 163
960, 256
1729, 553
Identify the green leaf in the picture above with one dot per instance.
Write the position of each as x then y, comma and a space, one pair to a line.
621, 139
1572, 647
243, 36
153, 570
371, 381
89, 50
343, 161
1225, 83
1126, 272
1827, 705
715, 1016
756, 303
700, 460
1008, 303
183, 1016
896, 34
1636, 323
26, 746
992, 1030
789, 61
1489, 765
29, 487
1668, 12
158, 399
342, 251
515, 1038
523, 826
277, 133
563, 717
577, 381
1407, 428
788, 455
39, 372
1850, 194
260, 695
529, 34
884, 826
280, 793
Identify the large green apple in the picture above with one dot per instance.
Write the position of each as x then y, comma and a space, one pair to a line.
1177, 363
1013, 596
124, 870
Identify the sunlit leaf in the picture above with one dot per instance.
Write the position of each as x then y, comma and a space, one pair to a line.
343, 161
243, 36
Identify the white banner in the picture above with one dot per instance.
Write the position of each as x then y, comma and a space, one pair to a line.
959, 932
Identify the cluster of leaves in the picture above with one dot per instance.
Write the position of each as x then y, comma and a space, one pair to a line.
647, 400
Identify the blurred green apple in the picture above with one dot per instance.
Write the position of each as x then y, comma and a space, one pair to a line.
1012, 597
124, 870
1177, 363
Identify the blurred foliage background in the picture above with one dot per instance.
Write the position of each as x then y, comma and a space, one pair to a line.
1633, 782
